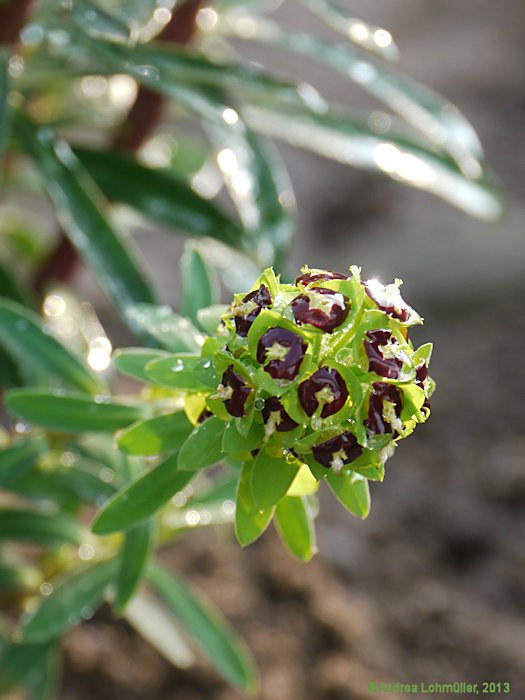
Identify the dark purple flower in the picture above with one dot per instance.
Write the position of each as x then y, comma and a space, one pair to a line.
283, 351
322, 308
250, 307
376, 423
204, 415
421, 375
391, 303
338, 451
388, 367
281, 420
234, 391
326, 386
315, 275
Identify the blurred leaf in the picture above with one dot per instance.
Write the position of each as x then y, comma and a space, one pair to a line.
177, 372
5, 53
25, 338
204, 445
155, 624
134, 556
250, 520
142, 498
16, 659
13, 289
19, 579
20, 458
171, 331
356, 30
271, 479
352, 491
208, 628
100, 24
199, 282
210, 317
156, 435
158, 195
70, 412
74, 598
343, 137
133, 361
295, 526
36, 527
80, 208
439, 120
43, 680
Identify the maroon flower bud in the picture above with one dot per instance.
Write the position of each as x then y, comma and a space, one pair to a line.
322, 308
421, 375
250, 307
282, 351
377, 423
324, 386
205, 414
338, 451
315, 275
391, 303
275, 415
233, 391
388, 367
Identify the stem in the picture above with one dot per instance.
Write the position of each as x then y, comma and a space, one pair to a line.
142, 119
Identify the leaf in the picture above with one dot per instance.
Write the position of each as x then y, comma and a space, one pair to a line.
250, 521
208, 628
23, 335
12, 288
31, 526
365, 35
304, 484
204, 445
295, 526
134, 556
426, 111
16, 659
233, 441
271, 478
70, 412
210, 317
156, 435
142, 498
158, 195
199, 281
352, 491
18, 579
176, 371
155, 624
43, 680
346, 138
133, 361
5, 54
75, 597
171, 331
18, 459
80, 208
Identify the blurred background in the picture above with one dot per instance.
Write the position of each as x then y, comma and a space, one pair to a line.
430, 587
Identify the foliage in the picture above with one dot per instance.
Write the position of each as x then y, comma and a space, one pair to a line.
81, 91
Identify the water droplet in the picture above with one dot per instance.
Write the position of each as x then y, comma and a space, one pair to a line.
259, 404
87, 613
149, 72
207, 364
178, 366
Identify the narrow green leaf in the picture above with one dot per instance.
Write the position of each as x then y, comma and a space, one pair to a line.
12, 288
233, 441
21, 332
176, 371
171, 331
209, 629
199, 281
20, 579
352, 491
31, 526
18, 459
134, 556
75, 597
142, 498
204, 445
80, 208
70, 412
158, 195
210, 317
5, 53
250, 521
153, 622
133, 361
156, 435
295, 526
43, 680
346, 138
16, 659
271, 479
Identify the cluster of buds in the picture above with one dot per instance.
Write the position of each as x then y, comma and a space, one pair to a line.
321, 370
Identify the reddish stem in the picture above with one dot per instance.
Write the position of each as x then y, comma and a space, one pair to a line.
142, 119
